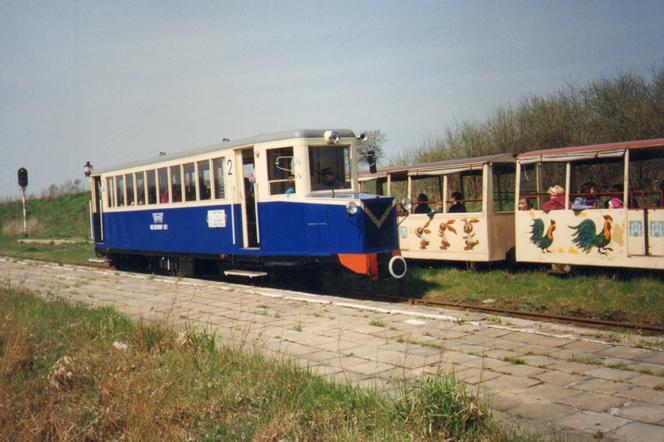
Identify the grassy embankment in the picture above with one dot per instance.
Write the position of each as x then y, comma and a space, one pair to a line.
608, 294
66, 375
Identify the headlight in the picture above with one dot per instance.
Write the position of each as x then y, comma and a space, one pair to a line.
352, 208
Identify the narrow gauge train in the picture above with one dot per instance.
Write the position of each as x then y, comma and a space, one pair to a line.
596, 205
279, 200
432, 227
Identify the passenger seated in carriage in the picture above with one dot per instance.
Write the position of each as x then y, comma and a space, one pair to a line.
556, 199
587, 199
457, 206
615, 202
422, 204
524, 204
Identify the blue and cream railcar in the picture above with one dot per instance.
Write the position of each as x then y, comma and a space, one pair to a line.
276, 200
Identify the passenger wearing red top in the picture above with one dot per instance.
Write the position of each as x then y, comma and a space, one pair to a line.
556, 199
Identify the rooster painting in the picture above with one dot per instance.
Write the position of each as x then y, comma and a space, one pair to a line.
585, 237
539, 238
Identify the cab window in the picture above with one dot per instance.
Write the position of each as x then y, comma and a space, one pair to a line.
280, 171
329, 167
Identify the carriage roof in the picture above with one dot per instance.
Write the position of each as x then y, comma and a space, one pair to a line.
588, 152
231, 144
440, 167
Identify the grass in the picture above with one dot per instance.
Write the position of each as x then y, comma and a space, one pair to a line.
513, 360
58, 218
618, 295
65, 374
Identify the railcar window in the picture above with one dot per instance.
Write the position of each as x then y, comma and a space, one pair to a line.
189, 182
646, 178
176, 184
594, 183
204, 179
426, 193
503, 187
218, 175
325, 159
152, 187
129, 183
529, 189
469, 185
162, 174
140, 188
280, 171
110, 189
119, 188
537, 179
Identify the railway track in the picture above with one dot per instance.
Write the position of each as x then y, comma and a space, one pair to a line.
548, 317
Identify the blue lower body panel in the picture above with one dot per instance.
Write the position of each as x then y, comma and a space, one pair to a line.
285, 229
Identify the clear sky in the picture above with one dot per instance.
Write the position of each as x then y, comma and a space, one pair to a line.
112, 81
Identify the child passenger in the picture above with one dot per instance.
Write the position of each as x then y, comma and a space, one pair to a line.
587, 199
524, 204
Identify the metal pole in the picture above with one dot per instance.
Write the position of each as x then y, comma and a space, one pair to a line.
25, 223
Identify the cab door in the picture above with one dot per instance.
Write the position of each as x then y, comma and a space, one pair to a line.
246, 172
96, 211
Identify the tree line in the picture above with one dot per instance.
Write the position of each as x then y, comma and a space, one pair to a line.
629, 106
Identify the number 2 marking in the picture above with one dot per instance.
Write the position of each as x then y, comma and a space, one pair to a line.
230, 167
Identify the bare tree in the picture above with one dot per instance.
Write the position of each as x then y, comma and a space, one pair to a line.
373, 142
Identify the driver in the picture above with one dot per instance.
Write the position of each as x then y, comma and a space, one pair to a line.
330, 179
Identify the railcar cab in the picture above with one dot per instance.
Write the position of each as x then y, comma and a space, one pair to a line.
597, 205
276, 200
454, 210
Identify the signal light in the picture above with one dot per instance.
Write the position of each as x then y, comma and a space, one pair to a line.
23, 177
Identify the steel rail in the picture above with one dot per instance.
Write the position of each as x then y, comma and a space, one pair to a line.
549, 317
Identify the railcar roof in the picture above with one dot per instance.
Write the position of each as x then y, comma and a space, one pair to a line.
240, 142
593, 148
445, 166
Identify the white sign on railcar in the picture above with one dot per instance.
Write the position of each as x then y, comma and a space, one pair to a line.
158, 220
216, 219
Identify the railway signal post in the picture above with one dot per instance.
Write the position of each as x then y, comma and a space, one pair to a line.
23, 183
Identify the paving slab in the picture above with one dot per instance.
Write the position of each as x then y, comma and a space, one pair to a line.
639, 432
568, 381
593, 401
644, 394
592, 422
640, 411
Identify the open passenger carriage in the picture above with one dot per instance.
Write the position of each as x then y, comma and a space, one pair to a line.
608, 210
430, 227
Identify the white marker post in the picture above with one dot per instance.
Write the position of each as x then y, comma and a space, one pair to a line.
23, 183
